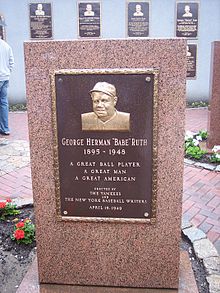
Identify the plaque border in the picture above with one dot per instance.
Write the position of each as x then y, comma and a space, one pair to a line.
153, 71
126, 18
40, 39
195, 77
77, 9
182, 1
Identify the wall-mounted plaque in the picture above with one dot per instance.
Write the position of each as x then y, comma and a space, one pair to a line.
105, 124
191, 60
40, 20
2, 27
187, 16
89, 19
138, 19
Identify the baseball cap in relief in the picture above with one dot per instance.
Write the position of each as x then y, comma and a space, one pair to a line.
104, 87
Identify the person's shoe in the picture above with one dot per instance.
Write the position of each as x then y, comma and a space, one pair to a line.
5, 133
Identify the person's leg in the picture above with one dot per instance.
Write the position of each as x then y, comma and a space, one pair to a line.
4, 107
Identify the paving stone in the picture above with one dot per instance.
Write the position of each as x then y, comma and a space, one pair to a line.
188, 161
4, 141
26, 159
23, 201
194, 234
8, 169
204, 248
14, 155
19, 148
205, 166
19, 164
214, 283
20, 141
212, 265
185, 223
2, 164
217, 243
10, 151
14, 159
4, 157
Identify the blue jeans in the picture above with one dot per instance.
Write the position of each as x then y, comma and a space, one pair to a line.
4, 106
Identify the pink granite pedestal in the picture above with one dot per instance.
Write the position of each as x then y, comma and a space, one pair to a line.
214, 116
109, 254
187, 283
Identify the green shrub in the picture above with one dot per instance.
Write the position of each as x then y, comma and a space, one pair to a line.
195, 152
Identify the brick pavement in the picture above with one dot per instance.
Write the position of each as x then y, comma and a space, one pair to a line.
201, 190
201, 201
18, 123
196, 119
17, 183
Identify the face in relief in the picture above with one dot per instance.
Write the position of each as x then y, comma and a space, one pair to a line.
103, 105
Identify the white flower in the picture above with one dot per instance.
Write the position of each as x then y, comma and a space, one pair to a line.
189, 134
216, 148
195, 142
199, 138
217, 156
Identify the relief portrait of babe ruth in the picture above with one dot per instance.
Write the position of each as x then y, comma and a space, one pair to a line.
105, 116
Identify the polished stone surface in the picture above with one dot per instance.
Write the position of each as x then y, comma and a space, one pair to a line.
140, 255
187, 283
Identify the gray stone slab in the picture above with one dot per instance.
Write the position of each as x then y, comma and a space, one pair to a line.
14, 155
217, 168
8, 168
205, 166
217, 244
214, 283
3, 163
204, 248
4, 157
212, 265
194, 234
188, 161
20, 202
4, 141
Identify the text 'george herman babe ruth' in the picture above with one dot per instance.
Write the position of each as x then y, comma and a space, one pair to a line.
105, 117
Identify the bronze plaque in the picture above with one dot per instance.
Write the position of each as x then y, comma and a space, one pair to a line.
191, 60
138, 19
89, 19
105, 124
40, 20
187, 19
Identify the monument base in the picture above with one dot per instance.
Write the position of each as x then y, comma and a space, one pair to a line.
30, 283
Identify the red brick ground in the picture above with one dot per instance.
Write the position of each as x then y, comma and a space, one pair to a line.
201, 201
16, 184
201, 196
201, 188
196, 119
